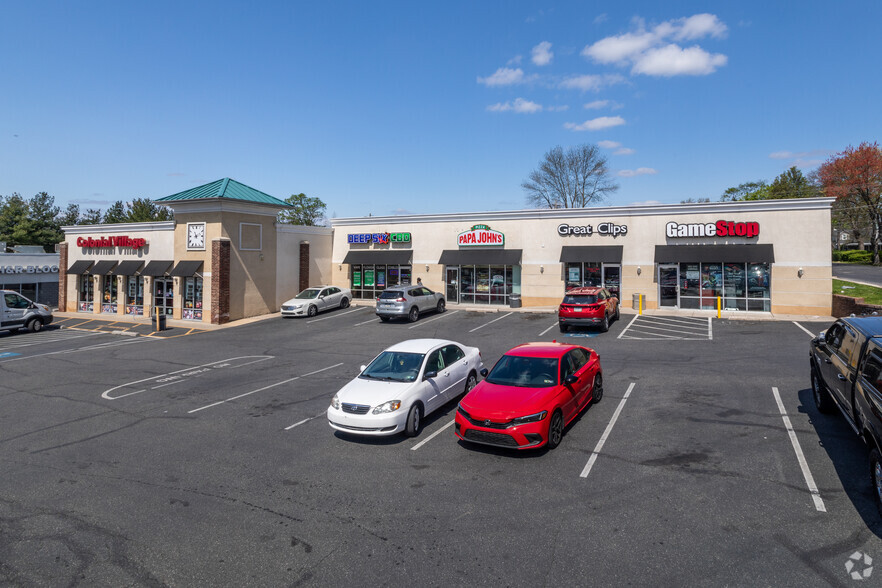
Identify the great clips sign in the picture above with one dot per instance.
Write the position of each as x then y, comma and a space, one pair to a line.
480, 235
720, 228
105, 242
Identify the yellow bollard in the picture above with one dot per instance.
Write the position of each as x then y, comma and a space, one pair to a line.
719, 306
640, 304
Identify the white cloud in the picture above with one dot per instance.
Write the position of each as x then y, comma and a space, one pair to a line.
673, 60
640, 171
542, 54
595, 124
608, 144
624, 151
596, 104
600, 18
651, 52
503, 76
590, 82
700, 25
520, 106
516, 60
645, 203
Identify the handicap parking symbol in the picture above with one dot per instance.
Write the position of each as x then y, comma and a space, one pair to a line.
8, 354
583, 334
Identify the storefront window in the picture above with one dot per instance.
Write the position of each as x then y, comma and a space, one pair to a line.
109, 304
135, 295
192, 299
734, 287
742, 286
369, 280
163, 296
482, 284
758, 287
594, 274
711, 284
86, 293
574, 274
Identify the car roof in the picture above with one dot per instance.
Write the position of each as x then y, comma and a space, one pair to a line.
545, 349
871, 325
420, 345
584, 290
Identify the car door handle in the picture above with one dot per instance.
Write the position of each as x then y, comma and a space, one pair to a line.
827, 361
841, 377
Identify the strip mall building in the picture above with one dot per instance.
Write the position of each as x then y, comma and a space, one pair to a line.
225, 257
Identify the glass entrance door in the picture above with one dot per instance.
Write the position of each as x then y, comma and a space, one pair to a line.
453, 284
668, 285
163, 300
612, 279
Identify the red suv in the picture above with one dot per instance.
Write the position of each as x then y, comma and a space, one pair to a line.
587, 306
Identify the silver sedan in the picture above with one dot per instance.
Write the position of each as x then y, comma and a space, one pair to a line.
316, 299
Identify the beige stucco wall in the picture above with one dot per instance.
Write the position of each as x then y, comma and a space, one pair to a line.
289, 238
797, 229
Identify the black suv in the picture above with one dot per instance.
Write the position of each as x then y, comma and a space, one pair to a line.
846, 369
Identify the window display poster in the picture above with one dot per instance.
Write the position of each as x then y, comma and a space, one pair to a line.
356, 279
368, 277
574, 274
381, 279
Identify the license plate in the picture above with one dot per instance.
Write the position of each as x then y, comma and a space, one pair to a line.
577, 310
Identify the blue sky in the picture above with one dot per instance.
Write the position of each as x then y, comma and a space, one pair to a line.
410, 107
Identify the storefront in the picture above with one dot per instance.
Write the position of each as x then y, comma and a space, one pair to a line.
33, 275
758, 256
223, 258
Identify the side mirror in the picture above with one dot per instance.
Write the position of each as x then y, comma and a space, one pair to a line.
484, 372
571, 379
428, 375
822, 338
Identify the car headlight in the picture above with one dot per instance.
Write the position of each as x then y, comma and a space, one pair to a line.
532, 418
335, 402
390, 406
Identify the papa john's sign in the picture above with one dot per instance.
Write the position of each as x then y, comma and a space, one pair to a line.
480, 235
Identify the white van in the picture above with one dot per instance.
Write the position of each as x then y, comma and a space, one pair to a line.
17, 312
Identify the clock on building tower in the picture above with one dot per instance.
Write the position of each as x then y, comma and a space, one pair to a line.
195, 235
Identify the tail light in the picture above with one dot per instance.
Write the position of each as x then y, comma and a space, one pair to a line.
401, 300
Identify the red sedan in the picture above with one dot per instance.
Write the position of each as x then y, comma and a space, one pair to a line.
588, 306
533, 392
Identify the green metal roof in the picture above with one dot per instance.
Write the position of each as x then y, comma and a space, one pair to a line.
225, 188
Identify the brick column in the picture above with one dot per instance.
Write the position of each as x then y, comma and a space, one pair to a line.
62, 277
304, 265
220, 281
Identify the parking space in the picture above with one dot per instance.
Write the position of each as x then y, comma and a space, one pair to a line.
655, 327
688, 462
143, 328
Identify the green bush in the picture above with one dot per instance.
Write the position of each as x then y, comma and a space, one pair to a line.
856, 256
837, 255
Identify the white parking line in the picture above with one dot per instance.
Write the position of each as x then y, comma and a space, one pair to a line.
644, 325
373, 320
684, 321
554, 324
432, 436
800, 457
810, 334
298, 423
335, 315
29, 340
493, 321
114, 344
606, 433
628, 327
441, 316
710, 329
262, 389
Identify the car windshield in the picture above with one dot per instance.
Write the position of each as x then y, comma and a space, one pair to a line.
394, 365
391, 295
525, 372
308, 293
580, 299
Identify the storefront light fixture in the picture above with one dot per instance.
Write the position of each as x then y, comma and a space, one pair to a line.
800, 272
541, 269
427, 267
639, 271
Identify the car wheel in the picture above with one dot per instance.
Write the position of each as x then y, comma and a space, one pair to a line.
823, 401
414, 421
414, 314
471, 382
597, 391
385, 319
617, 311
555, 429
344, 303
35, 326
876, 477
563, 328
604, 326
312, 310
441, 307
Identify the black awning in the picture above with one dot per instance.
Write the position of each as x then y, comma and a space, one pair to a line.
714, 253
185, 269
103, 267
127, 268
480, 257
598, 253
80, 267
396, 257
156, 268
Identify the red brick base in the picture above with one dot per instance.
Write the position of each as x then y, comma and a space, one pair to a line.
220, 281
846, 306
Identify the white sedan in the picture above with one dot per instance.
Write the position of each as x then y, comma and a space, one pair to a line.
316, 299
402, 385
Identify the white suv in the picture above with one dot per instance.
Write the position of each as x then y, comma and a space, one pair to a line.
408, 301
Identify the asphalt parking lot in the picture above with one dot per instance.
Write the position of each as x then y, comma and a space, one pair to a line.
207, 460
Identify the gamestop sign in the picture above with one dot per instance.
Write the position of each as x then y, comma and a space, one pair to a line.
104, 242
720, 228
480, 235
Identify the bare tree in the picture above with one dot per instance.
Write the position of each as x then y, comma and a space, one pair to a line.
573, 178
